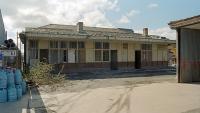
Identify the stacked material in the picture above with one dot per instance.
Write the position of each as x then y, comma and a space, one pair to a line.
12, 86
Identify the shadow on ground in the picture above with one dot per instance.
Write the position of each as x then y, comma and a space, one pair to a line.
36, 103
120, 73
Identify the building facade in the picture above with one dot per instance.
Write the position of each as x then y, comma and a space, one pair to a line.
3, 34
80, 48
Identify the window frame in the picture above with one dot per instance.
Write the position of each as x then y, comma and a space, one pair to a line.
102, 47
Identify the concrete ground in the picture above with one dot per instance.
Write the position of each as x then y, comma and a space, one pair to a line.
151, 98
146, 94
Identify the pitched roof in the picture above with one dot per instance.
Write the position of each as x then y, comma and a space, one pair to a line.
92, 31
86, 28
70, 31
185, 22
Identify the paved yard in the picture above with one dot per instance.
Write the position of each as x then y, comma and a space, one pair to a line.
143, 98
150, 94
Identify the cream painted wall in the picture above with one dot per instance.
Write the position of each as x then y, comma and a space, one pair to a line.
43, 44
131, 52
117, 46
154, 52
137, 46
159, 52
162, 52
89, 45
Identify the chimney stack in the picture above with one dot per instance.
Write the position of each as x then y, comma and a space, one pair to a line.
80, 27
145, 32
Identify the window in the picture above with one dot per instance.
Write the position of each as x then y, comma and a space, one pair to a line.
146, 52
102, 52
63, 44
71, 52
81, 45
53, 44
98, 45
33, 44
33, 49
105, 55
33, 53
64, 56
105, 45
73, 45
146, 47
53, 52
54, 56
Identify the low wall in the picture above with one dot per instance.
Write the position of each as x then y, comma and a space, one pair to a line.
80, 67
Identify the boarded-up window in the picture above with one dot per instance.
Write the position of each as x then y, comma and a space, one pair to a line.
71, 56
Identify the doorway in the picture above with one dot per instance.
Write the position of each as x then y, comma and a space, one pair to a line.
44, 55
113, 60
137, 59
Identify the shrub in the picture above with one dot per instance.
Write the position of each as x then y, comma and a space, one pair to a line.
41, 74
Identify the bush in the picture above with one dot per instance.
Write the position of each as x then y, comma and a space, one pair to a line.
41, 74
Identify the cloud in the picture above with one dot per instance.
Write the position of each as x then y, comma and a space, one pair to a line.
19, 14
164, 31
126, 18
153, 5
123, 20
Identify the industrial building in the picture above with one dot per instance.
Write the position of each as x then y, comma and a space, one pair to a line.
3, 34
188, 54
82, 48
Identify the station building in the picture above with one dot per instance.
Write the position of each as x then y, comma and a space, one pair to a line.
81, 48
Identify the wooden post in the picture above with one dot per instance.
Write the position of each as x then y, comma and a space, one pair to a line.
17, 53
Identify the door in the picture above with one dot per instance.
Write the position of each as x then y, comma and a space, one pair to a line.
71, 56
113, 60
44, 55
137, 59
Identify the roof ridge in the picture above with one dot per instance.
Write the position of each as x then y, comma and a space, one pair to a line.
184, 19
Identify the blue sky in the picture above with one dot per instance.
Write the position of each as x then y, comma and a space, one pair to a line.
134, 14
158, 15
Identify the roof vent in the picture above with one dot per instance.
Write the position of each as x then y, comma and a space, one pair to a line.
163, 38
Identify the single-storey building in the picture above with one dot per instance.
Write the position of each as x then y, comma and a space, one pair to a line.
79, 47
188, 48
